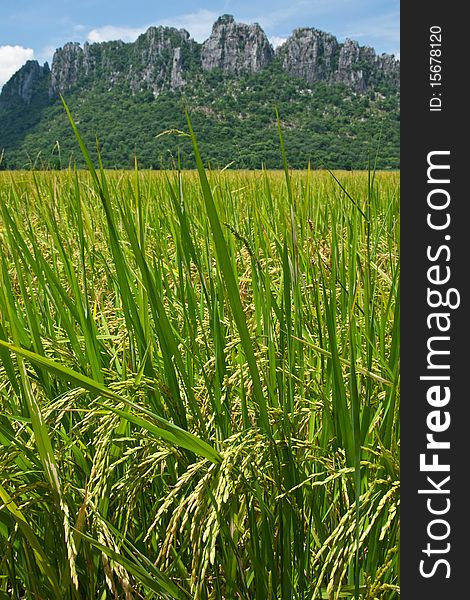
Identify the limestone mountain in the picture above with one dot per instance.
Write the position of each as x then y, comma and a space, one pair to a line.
317, 56
157, 60
236, 47
232, 84
25, 83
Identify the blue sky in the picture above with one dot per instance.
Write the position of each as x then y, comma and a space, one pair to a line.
31, 29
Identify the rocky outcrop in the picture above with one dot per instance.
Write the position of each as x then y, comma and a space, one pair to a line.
160, 59
310, 54
25, 82
316, 56
73, 64
361, 69
67, 64
177, 75
236, 47
352, 63
155, 61
165, 58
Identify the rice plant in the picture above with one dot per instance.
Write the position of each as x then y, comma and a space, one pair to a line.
199, 378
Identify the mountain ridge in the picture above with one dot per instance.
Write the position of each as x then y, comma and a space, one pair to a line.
165, 62
233, 47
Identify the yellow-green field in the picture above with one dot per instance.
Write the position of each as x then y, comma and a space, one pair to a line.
199, 380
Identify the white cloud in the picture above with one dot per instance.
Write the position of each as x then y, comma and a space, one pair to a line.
277, 41
46, 54
11, 59
110, 32
199, 24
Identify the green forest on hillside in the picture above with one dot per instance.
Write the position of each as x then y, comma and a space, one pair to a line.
328, 126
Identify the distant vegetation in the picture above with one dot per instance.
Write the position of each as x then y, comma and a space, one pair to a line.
327, 125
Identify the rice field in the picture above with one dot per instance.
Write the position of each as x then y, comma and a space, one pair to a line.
199, 379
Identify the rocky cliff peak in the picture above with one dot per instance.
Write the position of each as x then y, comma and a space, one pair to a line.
166, 58
25, 82
310, 54
236, 47
352, 65
66, 64
160, 58
155, 61
318, 56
